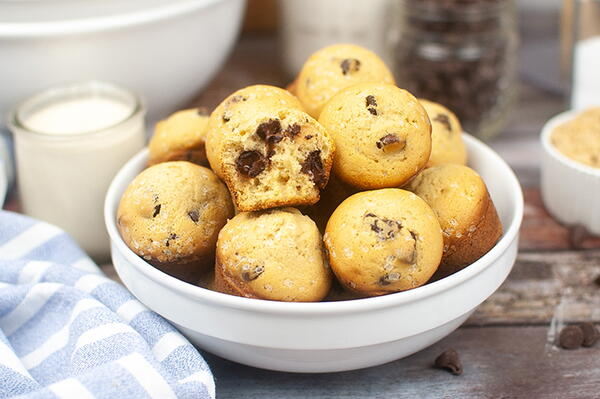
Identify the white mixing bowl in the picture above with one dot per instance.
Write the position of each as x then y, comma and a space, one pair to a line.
325, 336
165, 50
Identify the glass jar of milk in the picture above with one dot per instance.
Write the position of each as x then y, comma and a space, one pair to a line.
70, 141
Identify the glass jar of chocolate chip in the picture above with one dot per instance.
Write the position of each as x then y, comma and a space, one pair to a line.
460, 53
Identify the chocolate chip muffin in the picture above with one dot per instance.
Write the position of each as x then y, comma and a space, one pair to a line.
382, 135
238, 105
270, 156
180, 137
469, 221
171, 214
275, 255
383, 241
334, 68
447, 145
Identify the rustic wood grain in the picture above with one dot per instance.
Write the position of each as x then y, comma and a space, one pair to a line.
539, 230
544, 286
499, 362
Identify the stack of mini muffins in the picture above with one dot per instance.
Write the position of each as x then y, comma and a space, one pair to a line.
244, 194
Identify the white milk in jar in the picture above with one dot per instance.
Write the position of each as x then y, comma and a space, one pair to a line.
69, 143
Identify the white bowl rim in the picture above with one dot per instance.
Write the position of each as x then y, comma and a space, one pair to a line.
558, 156
315, 308
97, 24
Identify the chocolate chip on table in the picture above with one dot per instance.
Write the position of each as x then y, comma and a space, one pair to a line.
450, 361
590, 334
250, 163
444, 120
194, 215
293, 130
156, 211
270, 131
313, 166
571, 337
391, 141
253, 274
350, 65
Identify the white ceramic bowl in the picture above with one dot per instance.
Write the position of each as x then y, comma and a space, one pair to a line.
165, 50
3, 183
570, 190
325, 336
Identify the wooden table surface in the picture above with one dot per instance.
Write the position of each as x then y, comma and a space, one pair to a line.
507, 346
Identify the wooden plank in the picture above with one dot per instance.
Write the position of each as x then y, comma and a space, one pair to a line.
540, 231
499, 362
544, 288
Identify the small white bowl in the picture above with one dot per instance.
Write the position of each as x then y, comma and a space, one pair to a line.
3, 183
325, 336
570, 190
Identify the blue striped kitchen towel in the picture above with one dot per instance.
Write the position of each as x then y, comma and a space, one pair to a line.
68, 331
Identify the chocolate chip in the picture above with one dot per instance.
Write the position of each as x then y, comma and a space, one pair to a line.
590, 334
444, 120
172, 236
389, 278
253, 274
350, 65
293, 130
202, 111
226, 116
373, 111
384, 281
386, 229
251, 163
237, 98
391, 141
571, 337
270, 131
450, 361
194, 216
376, 228
313, 166
371, 102
156, 211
